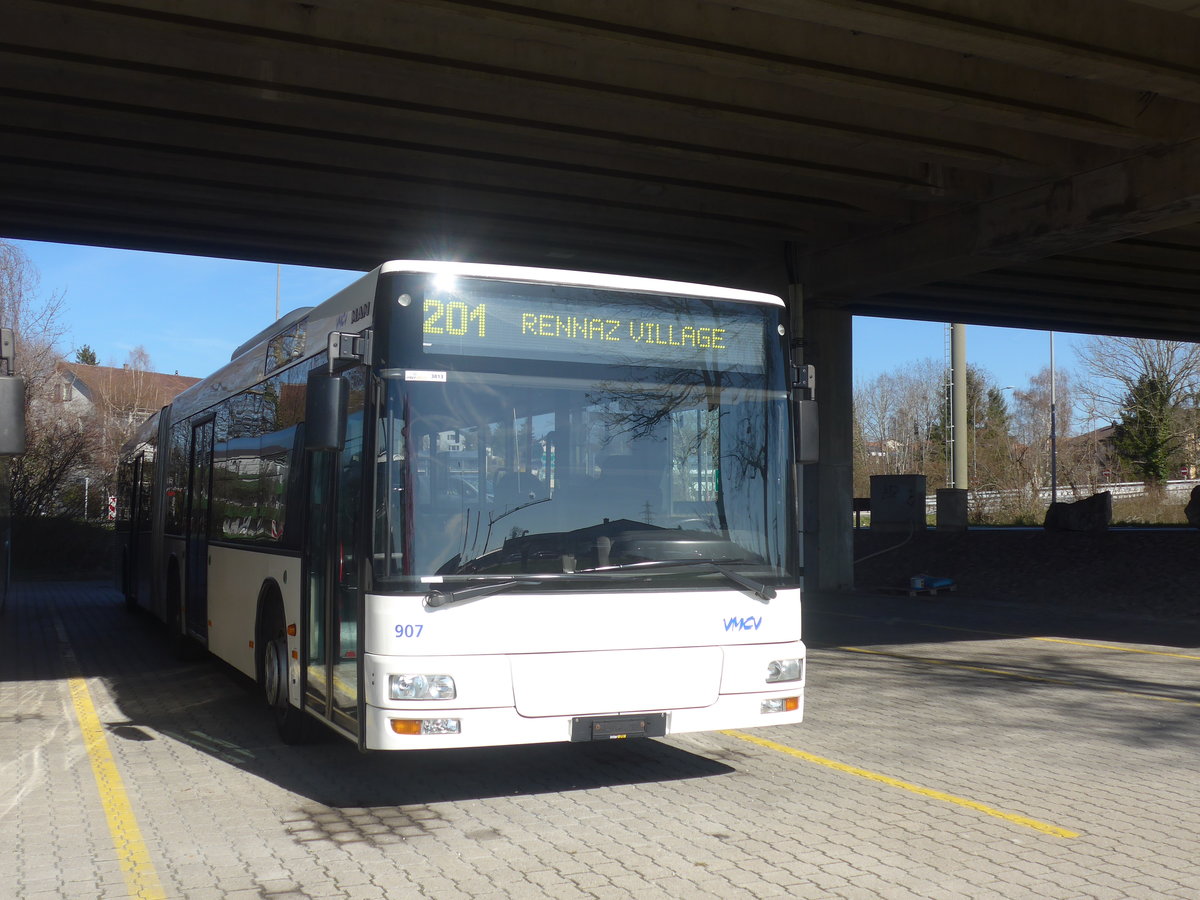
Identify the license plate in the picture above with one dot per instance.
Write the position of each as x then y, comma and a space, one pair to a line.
616, 728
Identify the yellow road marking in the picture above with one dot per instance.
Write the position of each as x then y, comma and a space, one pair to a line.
1034, 637
904, 785
140, 876
1115, 647
1010, 674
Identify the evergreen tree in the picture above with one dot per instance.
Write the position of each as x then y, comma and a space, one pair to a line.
1146, 437
85, 355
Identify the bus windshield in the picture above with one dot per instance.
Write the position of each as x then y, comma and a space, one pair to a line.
498, 473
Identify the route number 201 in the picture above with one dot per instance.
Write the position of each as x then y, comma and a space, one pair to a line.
454, 317
409, 631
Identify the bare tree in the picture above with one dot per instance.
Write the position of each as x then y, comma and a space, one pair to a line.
900, 415
123, 399
139, 359
35, 320
1113, 367
902, 420
54, 447
54, 450
1031, 420
875, 446
1149, 389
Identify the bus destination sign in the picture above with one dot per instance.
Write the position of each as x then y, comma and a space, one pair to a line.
596, 327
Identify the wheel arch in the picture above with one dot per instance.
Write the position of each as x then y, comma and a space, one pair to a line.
270, 604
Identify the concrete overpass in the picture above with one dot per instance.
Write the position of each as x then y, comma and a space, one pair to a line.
1013, 163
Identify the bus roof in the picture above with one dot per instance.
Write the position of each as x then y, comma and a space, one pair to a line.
578, 279
247, 366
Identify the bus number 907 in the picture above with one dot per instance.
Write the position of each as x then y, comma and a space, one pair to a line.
409, 631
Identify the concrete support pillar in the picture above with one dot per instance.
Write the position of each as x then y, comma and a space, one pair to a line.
829, 485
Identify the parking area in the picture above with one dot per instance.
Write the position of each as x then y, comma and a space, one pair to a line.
949, 751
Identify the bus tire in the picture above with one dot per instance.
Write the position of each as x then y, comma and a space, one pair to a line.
290, 721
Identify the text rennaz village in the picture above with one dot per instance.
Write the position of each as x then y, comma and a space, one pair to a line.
548, 325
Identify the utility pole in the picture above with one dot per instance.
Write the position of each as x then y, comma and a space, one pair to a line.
1053, 429
958, 406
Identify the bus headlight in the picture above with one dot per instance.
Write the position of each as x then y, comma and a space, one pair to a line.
783, 670
421, 687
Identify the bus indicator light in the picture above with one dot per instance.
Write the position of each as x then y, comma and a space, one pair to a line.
780, 704
426, 726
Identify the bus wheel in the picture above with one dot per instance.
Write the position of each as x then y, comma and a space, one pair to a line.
289, 721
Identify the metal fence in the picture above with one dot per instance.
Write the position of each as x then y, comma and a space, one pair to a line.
1180, 488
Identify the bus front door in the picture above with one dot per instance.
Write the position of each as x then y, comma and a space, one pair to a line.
331, 653
317, 555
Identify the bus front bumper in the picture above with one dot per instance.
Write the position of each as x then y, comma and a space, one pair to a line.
393, 729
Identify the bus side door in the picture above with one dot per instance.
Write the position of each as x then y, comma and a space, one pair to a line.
199, 506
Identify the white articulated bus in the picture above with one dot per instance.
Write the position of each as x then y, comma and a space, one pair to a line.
460, 505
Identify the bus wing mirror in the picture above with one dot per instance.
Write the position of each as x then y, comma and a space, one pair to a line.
804, 414
12, 415
804, 421
325, 411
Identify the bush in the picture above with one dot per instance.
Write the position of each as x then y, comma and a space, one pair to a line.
61, 549
1149, 509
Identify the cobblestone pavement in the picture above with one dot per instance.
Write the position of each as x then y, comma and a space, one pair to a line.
944, 756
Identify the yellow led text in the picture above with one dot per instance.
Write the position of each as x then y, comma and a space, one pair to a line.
548, 325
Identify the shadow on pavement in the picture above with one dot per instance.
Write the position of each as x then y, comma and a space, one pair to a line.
211, 707
836, 619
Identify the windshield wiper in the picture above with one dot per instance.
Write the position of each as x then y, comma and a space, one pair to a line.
764, 592
437, 598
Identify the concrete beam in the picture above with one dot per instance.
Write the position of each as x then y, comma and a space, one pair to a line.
1144, 194
926, 116
544, 130
1114, 41
705, 196
1007, 307
737, 44
720, 54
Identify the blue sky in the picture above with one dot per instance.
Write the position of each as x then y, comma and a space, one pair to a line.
1012, 356
190, 312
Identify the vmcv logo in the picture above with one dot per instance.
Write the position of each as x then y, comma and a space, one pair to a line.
746, 623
